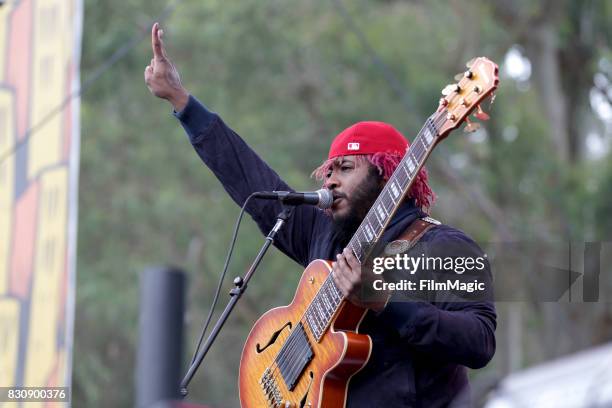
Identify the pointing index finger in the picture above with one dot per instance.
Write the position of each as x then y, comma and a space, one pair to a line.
156, 43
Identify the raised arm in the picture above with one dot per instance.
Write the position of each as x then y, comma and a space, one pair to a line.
239, 169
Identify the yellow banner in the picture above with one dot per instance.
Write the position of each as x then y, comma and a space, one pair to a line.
39, 146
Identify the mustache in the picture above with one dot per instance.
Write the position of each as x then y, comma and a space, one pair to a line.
337, 194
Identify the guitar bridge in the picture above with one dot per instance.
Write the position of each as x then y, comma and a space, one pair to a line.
270, 388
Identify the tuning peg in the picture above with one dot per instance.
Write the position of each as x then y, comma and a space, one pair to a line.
442, 104
450, 88
470, 62
480, 114
467, 74
471, 126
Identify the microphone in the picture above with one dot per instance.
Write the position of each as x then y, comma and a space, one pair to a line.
322, 198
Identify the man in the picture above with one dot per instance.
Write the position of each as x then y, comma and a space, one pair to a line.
420, 348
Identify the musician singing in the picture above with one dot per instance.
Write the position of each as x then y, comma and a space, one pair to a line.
421, 348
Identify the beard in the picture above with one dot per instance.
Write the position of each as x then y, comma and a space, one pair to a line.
360, 203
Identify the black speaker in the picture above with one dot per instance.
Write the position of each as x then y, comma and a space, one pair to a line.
162, 303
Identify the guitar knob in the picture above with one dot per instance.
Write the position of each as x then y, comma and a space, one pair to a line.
482, 115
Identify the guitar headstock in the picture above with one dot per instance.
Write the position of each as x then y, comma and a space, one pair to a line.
461, 99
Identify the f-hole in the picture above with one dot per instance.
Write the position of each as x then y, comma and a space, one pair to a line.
272, 339
303, 400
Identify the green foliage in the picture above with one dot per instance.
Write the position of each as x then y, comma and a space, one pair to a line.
287, 77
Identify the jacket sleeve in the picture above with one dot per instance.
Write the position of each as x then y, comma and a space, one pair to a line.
241, 172
453, 327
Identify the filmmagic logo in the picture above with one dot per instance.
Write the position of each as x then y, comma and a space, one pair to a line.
431, 285
447, 273
510, 271
353, 146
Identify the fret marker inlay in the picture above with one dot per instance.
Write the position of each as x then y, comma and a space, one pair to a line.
411, 164
428, 136
394, 189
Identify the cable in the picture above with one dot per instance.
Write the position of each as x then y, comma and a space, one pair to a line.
220, 284
98, 72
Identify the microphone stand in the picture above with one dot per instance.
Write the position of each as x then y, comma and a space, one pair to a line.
240, 285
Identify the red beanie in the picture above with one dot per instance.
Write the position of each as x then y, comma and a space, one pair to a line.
368, 138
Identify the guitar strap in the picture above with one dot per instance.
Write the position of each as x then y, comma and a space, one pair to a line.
412, 235
409, 239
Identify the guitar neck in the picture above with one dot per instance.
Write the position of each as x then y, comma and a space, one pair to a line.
329, 298
396, 188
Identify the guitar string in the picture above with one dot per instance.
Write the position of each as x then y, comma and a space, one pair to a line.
288, 347
286, 365
304, 347
297, 367
436, 119
282, 364
293, 359
287, 354
418, 151
292, 344
439, 117
294, 371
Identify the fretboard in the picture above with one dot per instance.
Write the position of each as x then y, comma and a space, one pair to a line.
396, 188
327, 301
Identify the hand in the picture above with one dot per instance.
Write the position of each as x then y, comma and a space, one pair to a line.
161, 76
346, 272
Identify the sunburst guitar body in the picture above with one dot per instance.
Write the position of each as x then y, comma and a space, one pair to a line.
285, 363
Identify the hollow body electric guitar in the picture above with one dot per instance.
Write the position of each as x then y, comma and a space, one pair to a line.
304, 354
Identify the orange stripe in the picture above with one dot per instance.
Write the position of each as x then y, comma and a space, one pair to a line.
24, 233
19, 67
